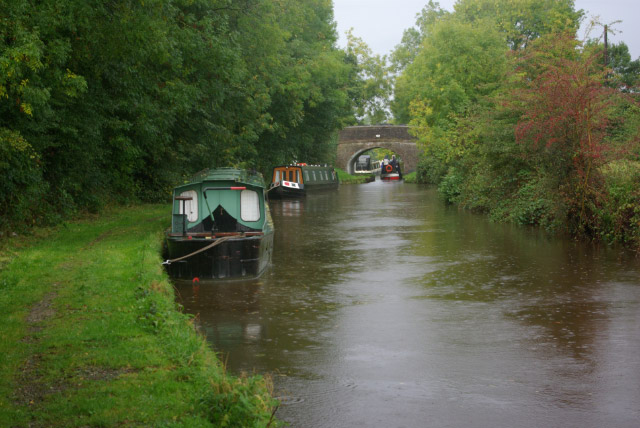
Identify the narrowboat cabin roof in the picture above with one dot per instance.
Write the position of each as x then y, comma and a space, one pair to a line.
214, 195
251, 178
308, 173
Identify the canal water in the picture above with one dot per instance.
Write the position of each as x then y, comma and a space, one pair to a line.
386, 308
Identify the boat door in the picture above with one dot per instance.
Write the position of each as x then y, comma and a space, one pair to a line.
227, 199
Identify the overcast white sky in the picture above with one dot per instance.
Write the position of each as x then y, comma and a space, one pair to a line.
380, 23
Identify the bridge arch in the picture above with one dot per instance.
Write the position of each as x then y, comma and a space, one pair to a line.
355, 140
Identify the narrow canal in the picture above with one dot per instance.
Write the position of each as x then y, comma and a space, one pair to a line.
386, 308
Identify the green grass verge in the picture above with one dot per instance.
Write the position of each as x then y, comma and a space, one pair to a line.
91, 335
346, 178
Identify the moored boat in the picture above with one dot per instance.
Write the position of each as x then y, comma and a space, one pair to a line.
363, 165
296, 180
221, 226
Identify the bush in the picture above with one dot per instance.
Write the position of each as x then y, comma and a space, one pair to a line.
412, 177
430, 170
22, 188
450, 186
529, 205
620, 217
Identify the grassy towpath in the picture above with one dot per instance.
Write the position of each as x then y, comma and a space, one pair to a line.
91, 335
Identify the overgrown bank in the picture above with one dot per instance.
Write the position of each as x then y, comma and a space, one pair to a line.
91, 335
520, 119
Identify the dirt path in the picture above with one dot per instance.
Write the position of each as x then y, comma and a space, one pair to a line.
31, 389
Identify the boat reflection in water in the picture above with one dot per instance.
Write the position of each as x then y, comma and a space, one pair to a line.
228, 314
289, 207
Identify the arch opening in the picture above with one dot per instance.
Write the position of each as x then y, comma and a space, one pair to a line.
357, 165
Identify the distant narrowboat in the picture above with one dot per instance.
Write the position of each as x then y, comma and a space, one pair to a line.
221, 226
363, 165
390, 170
298, 179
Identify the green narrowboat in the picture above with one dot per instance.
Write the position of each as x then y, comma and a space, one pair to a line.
221, 226
299, 179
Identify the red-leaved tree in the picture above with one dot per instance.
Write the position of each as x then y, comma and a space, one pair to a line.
565, 111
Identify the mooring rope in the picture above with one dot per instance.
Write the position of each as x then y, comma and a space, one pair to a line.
218, 241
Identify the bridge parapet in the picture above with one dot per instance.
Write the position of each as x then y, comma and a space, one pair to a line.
354, 140
375, 133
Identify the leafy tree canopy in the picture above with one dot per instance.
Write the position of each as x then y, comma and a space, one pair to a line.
121, 100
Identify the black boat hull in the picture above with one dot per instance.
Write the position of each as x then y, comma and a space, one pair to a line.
236, 258
280, 192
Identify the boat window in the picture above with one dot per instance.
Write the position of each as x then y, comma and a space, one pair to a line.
249, 205
277, 177
297, 176
333, 175
314, 175
191, 207
291, 175
326, 175
306, 175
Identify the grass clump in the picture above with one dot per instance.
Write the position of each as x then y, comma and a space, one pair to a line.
412, 177
346, 178
92, 336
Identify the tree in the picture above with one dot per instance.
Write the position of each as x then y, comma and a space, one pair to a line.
458, 63
412, 38
626, 73
562, 115
121, 100
522, 21
307, 81
372, 87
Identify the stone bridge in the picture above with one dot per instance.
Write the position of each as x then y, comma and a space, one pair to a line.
355, 140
